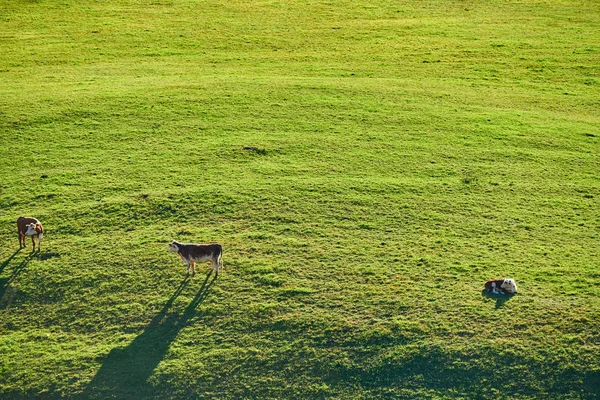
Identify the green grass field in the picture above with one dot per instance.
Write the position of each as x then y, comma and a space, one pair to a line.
367, 166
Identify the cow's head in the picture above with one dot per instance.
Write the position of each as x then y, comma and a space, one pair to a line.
31, 230
509, 285
174, 246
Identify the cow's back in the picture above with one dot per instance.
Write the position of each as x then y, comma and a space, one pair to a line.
204, 251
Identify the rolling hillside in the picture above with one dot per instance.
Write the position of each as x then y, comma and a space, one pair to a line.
367, 166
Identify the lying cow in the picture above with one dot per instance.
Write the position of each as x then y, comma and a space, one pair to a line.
27, 226
501, 286
193, 253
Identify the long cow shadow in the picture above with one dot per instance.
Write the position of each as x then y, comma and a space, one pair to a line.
5, 282
125, 371
8, 260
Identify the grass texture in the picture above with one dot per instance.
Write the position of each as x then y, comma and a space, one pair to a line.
367, 166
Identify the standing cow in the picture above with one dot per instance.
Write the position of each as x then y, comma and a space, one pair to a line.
192, 253
28, 226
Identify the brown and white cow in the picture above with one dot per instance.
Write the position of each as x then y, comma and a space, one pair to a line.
501, 286
192, 253
28, 226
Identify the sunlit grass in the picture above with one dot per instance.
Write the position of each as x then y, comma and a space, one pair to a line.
366, 167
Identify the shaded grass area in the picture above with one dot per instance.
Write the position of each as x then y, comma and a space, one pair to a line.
366, 167
124, 369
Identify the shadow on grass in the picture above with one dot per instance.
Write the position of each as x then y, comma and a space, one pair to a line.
500, 298
48, 256
5, 282
461, 374
8, 260
125, 371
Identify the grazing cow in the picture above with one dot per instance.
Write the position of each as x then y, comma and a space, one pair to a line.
501, 286
192, 253
27, 226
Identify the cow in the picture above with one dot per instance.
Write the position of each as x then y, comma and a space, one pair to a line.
192, 253
28, 226
501, 286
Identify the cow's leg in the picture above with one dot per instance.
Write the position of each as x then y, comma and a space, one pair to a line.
187, 264
193, 265
33, 242
215, 265
40, 236
21, 240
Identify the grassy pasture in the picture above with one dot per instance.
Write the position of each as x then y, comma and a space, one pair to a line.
367, 166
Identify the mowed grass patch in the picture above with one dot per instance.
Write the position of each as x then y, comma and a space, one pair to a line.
366, 167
